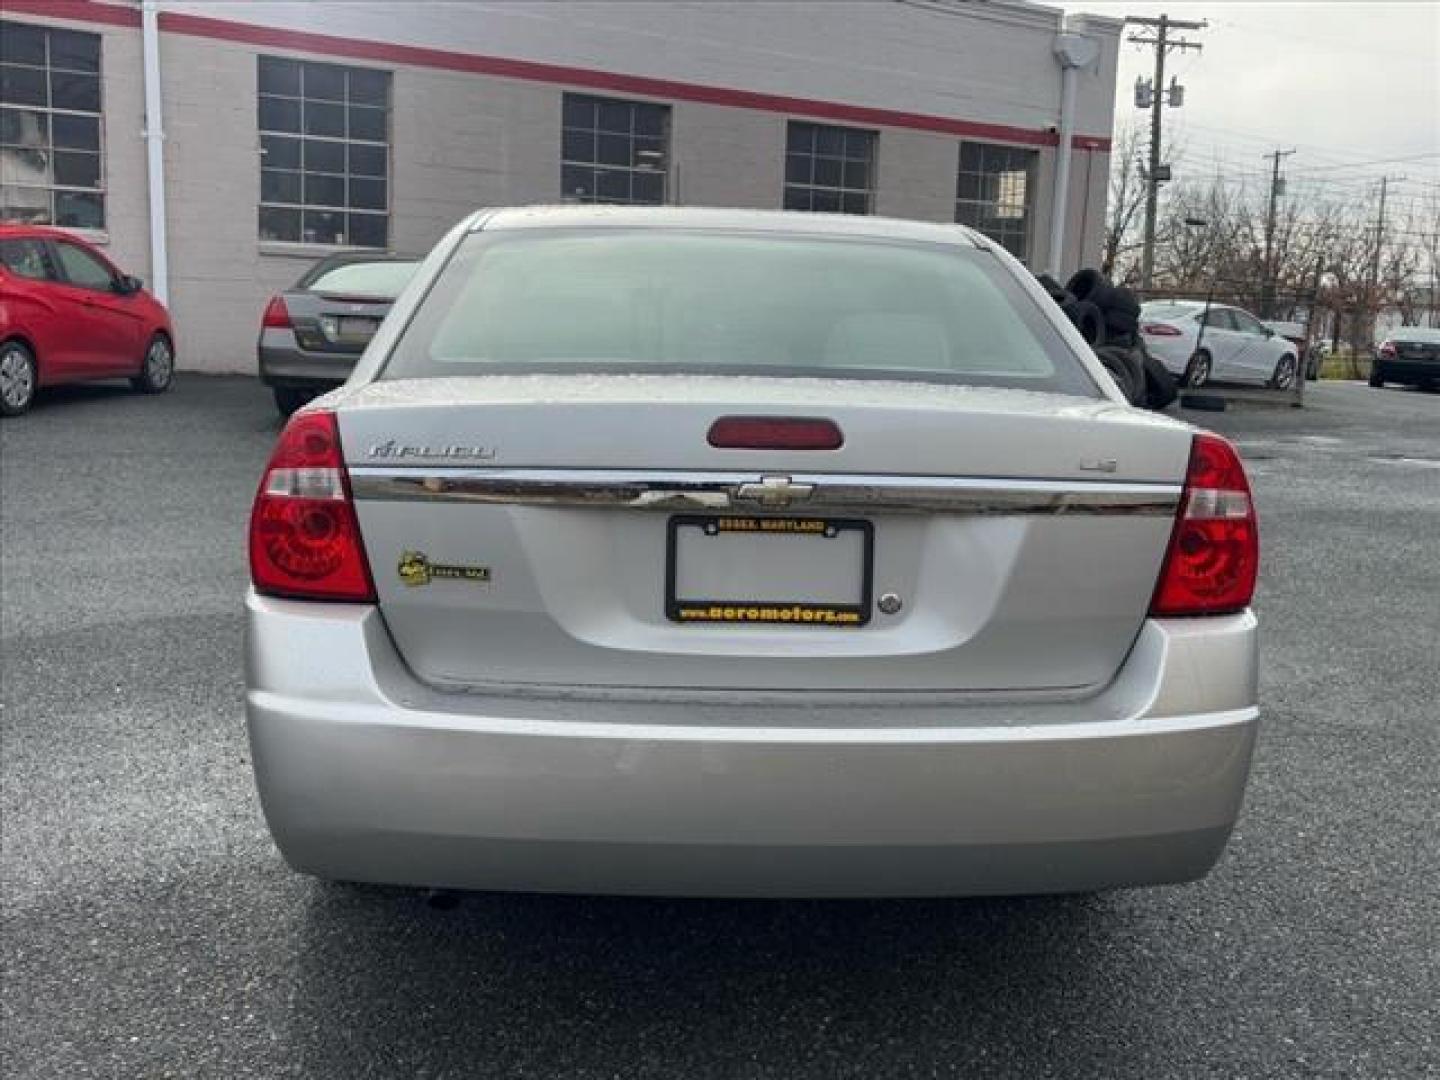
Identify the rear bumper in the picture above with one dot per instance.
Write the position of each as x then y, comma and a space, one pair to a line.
366, 774
1408, 371
283, 362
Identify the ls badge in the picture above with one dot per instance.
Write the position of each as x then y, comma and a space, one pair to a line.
416, 569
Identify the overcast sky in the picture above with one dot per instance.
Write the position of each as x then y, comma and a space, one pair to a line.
1341, 83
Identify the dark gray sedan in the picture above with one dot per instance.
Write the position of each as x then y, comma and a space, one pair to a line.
1410, 355
312, 334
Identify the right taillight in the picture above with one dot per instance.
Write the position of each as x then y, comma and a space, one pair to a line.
1214, 553
1159, 330
277, 315
304, 537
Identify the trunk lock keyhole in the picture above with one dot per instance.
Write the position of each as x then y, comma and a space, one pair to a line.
890, 603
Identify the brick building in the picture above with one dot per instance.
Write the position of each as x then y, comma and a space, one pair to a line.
291, 129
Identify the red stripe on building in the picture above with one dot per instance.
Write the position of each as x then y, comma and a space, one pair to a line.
533, 71
90, 11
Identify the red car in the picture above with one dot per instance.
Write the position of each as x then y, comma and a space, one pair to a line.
68, 315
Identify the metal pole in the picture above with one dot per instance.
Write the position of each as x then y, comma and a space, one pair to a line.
154, 150
1374, 298
1074, 51
1152, 186
1309, 334
1060, 203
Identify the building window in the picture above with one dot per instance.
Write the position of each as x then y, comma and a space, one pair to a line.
829, 168
324, 153
51, 171
992, 193
614, 151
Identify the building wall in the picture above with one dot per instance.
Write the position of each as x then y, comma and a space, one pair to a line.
915, 175
986, 61
218, 275
725, 157
476, 116
123, 100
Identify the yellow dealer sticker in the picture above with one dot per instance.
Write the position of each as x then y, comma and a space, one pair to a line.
416, 569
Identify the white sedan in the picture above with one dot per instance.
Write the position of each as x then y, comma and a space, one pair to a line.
1213, 342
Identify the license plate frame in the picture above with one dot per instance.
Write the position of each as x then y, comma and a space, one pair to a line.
770, 612
349, 330
355, 329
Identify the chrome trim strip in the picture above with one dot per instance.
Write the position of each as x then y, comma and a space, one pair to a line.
640, 489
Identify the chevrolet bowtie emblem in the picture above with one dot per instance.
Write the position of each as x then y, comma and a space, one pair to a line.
774, 492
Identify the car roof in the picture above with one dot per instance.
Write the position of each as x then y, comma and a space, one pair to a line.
350, 258
346, 258
11, 230
589, 216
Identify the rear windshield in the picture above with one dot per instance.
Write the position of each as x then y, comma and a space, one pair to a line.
732, 303
1419, 334
379, 279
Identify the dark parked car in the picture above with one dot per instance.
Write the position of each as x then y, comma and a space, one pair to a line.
1409, 355
312, 334
67, 314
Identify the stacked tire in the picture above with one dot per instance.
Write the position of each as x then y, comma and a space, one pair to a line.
1108, 318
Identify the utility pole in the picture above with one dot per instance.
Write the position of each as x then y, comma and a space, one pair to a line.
1374, 304
1379, 238
1267, 288
1153, 178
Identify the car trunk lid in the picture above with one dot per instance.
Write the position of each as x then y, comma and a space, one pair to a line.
564, 531
335, 322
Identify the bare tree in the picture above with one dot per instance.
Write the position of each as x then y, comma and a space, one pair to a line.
1127, 198
1210, 242
1401, 261
1427, 236
1213, 258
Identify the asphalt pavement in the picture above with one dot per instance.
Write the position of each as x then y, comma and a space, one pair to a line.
151, 930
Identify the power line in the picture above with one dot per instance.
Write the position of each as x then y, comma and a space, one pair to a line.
1346, 48
1242, 143
1233, 160
1363, 164
1324, 153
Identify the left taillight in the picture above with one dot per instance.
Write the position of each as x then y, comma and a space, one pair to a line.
1387, 350
304, 536
1214, 555
276, 315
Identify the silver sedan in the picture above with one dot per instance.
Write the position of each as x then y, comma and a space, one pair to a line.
679, 551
